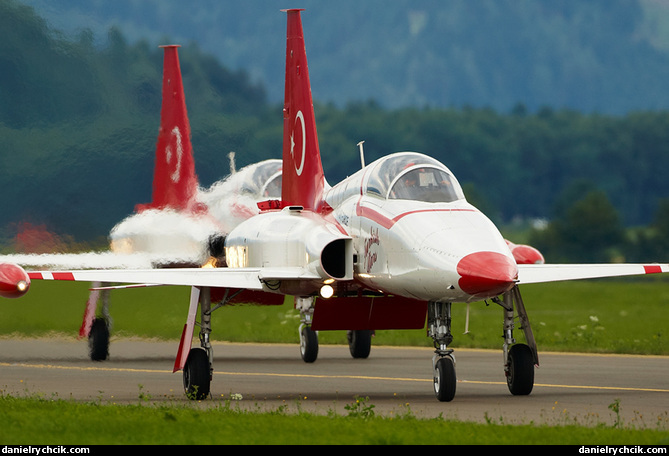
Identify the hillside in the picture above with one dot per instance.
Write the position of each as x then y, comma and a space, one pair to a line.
607, 56
79, 113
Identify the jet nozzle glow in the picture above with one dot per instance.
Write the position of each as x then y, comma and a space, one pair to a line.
487, 274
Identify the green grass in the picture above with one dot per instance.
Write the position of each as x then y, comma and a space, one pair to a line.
40, 421
624, 316
603, 316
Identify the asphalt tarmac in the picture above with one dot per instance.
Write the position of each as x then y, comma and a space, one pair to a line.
569, 388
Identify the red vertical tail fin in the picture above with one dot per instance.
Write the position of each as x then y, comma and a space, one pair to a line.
303, 179
174, 181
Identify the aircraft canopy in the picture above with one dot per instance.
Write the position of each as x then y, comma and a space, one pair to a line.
413, 176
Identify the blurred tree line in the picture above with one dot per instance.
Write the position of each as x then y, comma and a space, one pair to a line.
78, 126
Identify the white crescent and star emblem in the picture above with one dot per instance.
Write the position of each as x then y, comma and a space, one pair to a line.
180, 150
300, 168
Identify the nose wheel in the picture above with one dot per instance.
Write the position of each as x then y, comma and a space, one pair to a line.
445, 378
308, 344
443, 363
308, 337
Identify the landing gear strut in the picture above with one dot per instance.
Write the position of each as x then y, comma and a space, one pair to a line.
443, 362
519, 359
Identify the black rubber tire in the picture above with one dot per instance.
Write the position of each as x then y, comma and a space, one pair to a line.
520, 371
445, 379
98, 340
197, 374
360, 343
309, 345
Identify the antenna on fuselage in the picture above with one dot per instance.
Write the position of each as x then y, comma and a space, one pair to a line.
233, 167
362, 153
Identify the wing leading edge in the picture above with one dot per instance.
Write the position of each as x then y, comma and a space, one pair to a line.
541, 273
237, 278
255, 278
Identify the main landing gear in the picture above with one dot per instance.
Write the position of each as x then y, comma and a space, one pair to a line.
359, 341
100, 326
519, 359
198, 370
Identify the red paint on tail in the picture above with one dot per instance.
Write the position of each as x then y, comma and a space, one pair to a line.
303, 179
174, 181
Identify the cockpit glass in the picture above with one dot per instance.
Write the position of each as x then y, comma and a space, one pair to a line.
431, 185
413, 176
273, 187
262, 181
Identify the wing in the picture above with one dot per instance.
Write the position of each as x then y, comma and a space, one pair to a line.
88, 260
540, 273
239, 278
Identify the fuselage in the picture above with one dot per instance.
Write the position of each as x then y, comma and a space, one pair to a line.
406, 224
416, 235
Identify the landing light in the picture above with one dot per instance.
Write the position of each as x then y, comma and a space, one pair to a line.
22, 286
327, 291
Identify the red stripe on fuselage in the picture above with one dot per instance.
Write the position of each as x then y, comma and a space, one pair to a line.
388, 223
375, 216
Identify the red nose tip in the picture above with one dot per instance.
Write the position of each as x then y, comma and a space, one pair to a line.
14, 281
487, 274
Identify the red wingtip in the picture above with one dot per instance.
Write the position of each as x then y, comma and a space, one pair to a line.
14, 281
303, 179
174, 181
525, 254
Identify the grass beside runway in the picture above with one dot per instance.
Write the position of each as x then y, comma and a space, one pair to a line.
602, 316
630, 316
43, 421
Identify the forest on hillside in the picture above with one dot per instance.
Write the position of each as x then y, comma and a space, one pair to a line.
607, 56
78, 126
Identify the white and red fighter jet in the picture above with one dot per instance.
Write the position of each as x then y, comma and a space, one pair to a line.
390, 247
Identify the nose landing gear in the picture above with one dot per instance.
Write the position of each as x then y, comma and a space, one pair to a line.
443, 363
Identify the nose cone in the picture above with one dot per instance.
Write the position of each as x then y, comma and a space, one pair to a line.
487, 274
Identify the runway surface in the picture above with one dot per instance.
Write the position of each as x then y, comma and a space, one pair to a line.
569, 388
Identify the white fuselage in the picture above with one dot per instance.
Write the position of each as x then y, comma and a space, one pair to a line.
408, 247
405, 221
